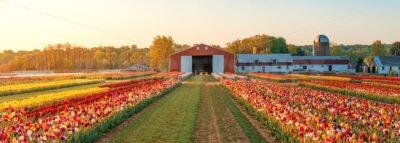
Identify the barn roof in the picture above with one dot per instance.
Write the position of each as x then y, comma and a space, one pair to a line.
387, 60
251, 58
202, 46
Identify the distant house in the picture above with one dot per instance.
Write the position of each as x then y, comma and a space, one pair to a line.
384, 64
270, 63
137, 67
321, 63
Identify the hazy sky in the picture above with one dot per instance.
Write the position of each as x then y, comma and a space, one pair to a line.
32, 24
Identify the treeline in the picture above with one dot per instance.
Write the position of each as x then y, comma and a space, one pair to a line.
70, 58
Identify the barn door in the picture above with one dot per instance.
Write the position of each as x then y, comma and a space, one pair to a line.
218, 64
186, 64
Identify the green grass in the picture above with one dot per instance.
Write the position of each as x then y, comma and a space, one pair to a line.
269, 121
201, 78
247, 127
93, 134
171, 120
215, 121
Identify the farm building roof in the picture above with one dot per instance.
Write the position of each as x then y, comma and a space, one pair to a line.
251, 58
320, 58
387, 60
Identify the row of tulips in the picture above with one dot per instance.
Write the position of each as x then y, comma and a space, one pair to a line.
118, 76
383, 83
129, 83
32, 87
317, 116
318, 77
30, 79
49, 98
66, 120
379, 93
372, 77
272, 77
168, 74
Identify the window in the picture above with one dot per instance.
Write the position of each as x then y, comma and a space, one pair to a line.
383, 67
256, 62
254, 67
390, 68
304, 67
263, 69
206, 47
242, 68
287, 67
274, 62
279, 67
197, 48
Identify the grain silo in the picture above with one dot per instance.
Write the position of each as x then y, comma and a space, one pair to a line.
321, 46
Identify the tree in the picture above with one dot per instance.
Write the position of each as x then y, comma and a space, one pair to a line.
279, 46
336, 51
263, 43
300, 52
377, 50
395, 49
180, 47
160, 50
295, 50
292, 49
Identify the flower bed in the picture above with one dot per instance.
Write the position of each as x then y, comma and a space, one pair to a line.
373, 77
318, 77
305, 115
129, 83
73, 118
31, 87
30, 79
119, 75
168, 74
50, 98
272, 77
384, 94
383, 83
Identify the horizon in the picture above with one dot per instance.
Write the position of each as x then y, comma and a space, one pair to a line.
105, 23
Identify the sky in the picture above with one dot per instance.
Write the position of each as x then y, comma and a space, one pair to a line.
33, 24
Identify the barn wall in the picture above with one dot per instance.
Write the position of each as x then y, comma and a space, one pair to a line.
202, 50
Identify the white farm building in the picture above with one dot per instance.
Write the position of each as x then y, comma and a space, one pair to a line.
285, 63
385, 64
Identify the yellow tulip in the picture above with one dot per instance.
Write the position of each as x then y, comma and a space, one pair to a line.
49, 98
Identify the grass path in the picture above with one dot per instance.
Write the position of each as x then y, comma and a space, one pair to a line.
171, 120
215, 122
198, 111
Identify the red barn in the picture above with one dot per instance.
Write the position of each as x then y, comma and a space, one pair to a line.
202, 58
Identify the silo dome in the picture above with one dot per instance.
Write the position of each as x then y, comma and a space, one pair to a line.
321, 39
321, 46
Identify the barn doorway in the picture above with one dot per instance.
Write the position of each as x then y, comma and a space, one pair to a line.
202, 64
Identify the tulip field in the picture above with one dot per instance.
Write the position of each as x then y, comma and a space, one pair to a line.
161, 107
